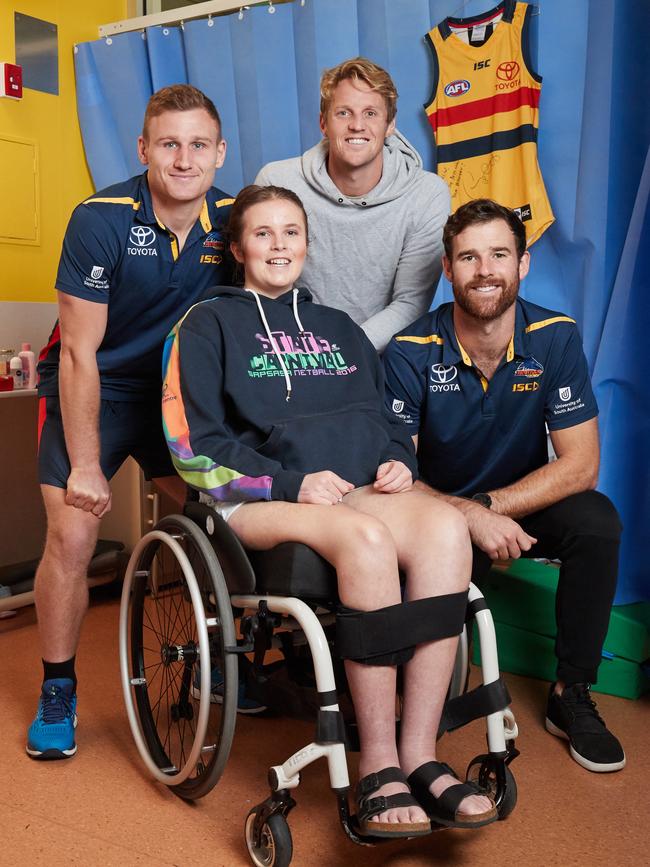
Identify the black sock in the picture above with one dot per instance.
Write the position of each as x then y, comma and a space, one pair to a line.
60, 669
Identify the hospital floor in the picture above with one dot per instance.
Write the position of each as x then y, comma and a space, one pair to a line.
100, 808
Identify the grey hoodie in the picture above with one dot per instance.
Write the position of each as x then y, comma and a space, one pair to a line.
375, 256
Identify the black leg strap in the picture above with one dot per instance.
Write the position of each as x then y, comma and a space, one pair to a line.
367, 636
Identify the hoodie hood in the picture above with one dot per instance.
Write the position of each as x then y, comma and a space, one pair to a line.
402, 169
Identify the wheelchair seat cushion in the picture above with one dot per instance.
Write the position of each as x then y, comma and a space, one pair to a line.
293, 569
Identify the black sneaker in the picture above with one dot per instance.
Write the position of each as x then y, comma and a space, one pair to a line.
573, 716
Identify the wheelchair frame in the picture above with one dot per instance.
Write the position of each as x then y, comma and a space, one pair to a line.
192, 545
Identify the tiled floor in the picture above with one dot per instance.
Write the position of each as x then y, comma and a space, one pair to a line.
100, 808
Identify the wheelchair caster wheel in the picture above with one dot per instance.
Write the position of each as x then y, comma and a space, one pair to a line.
274, 847
481, 770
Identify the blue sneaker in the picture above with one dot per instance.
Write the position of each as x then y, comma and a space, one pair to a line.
51, 735
245, 704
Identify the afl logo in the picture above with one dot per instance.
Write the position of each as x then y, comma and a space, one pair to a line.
458, 87
508, 71
142, 236
442, 373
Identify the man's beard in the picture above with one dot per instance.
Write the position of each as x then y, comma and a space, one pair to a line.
482, 308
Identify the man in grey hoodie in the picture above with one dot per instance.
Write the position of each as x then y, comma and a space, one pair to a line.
376, 216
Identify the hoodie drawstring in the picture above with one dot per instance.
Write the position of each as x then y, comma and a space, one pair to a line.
272, 341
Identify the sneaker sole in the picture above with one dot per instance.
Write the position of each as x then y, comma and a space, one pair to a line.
215, 698
603, 768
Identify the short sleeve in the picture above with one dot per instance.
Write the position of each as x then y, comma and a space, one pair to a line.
570, 399
405, 385
90, 253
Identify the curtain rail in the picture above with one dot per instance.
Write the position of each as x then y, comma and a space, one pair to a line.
174, 16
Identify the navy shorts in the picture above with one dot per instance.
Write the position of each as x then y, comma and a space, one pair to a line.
125, 429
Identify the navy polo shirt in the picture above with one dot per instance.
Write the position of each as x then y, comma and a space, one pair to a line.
117, 252
476, 435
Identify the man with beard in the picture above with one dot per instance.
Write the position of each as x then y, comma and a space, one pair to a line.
478, 380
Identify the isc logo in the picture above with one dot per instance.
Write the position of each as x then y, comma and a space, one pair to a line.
457, 88
525, 386
211, 259
482, 64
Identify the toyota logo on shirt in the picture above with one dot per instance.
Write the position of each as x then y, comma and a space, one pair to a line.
142, 237
442, 378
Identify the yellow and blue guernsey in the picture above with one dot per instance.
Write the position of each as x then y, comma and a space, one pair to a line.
258, 392
475, 435
484, 112
117, 252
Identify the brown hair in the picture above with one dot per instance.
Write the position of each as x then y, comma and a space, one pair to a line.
482, 211
251, 195
359, 69
179, 97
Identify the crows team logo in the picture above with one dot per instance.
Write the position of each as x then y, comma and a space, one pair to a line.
214, 241
529, 367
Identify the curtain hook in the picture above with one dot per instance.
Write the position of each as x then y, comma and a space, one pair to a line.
210, 21
271, 7
241, 13
182, 25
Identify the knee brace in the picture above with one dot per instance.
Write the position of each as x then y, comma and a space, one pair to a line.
389, 636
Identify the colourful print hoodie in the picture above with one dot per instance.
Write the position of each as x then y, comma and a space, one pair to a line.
258, 392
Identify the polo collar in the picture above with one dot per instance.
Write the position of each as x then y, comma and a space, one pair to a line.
147, 215
454, 352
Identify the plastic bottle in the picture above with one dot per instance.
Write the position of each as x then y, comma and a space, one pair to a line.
29, 366
16, 368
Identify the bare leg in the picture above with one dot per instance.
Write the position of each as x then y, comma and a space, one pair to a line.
434, 551
61, 589
363, 553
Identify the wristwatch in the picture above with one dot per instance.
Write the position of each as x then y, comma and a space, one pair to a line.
483, 499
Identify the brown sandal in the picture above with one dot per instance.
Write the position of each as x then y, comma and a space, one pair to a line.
368, 807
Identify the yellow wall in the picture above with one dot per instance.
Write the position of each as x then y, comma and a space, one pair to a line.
27, 272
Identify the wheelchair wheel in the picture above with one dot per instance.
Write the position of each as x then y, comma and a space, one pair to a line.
275, 847
481, 770
175, 613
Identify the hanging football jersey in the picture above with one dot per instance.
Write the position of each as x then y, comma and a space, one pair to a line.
484, 112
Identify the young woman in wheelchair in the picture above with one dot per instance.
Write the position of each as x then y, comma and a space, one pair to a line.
273, 407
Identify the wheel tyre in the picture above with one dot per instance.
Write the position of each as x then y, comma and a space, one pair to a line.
276, 846
194, 778
480, 772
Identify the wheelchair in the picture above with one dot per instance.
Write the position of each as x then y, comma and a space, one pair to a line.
187, 582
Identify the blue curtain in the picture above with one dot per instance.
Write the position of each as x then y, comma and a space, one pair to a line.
262, 70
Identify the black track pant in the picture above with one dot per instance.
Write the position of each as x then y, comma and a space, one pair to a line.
583, 531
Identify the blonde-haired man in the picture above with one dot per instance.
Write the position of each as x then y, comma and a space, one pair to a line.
376, 214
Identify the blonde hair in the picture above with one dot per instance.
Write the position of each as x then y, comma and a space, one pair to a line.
359, 69
179, 97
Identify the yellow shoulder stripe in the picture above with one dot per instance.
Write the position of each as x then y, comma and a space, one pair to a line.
535, 326
127, 200
430, 338
223, 202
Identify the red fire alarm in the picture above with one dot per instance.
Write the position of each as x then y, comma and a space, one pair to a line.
11, 80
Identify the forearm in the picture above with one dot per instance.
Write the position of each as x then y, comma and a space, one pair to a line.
461, 503
543, 487
406, 306
79, 395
